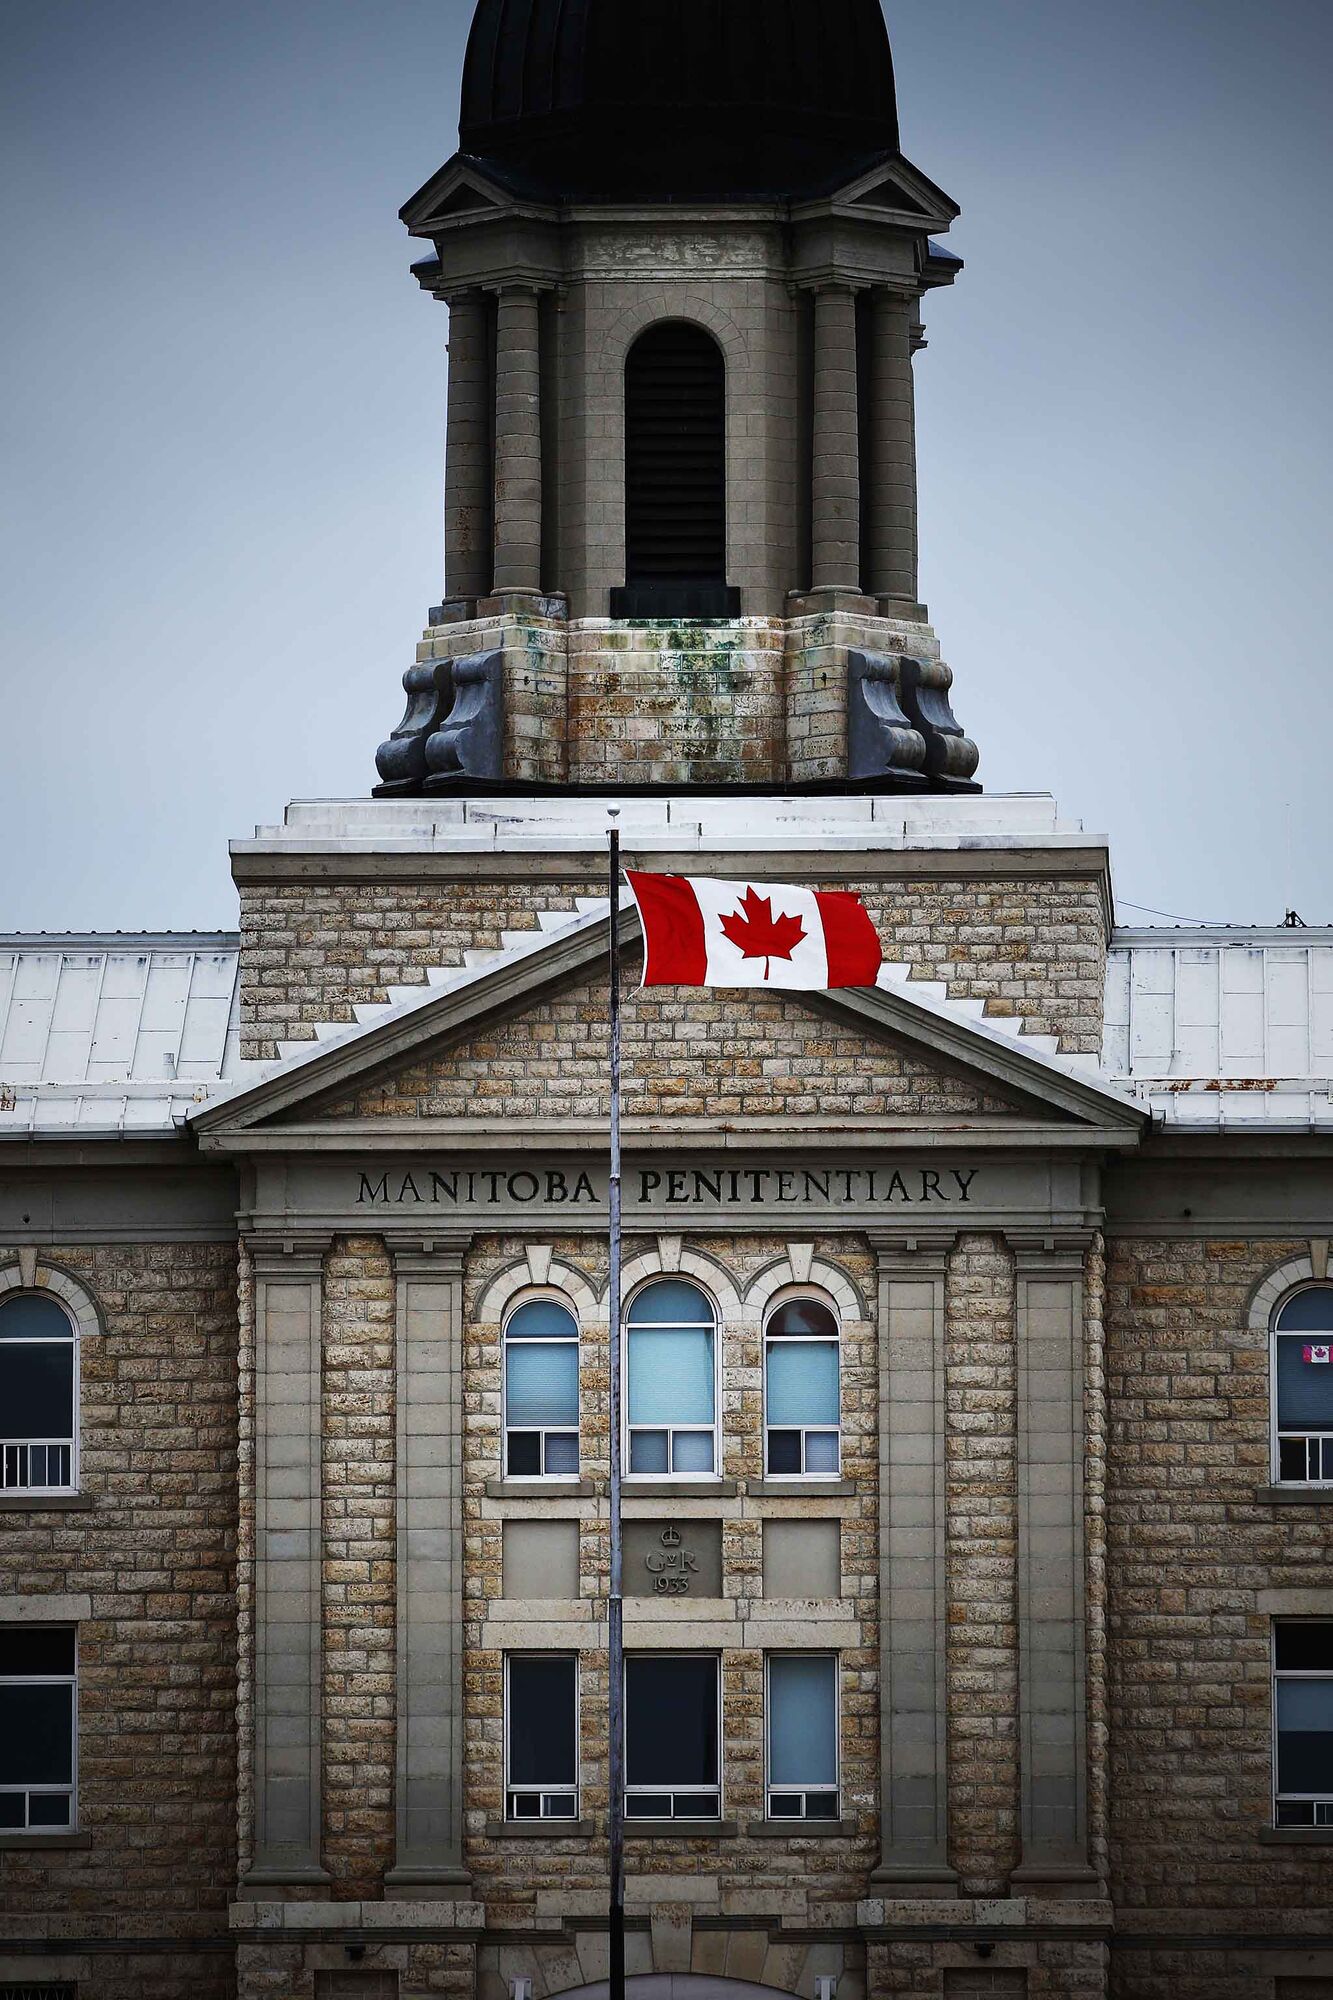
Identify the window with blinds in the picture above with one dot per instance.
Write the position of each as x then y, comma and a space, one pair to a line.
675, 476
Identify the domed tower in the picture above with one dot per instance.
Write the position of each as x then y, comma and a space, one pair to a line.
684, 260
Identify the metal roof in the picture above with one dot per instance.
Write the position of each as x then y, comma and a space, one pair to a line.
1223, 1027
109, 1031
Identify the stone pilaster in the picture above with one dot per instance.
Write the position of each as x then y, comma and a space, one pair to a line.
1051, 1649
467, 470
912, 1600
982, 1545
891, 505
429, 1320
836, 485
518, 446
287, 1644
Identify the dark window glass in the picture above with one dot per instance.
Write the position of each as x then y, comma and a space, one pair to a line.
37, 1391
675, 457
803, 1316
542, 1710
33, 1317
1310, 1311
1305, 1737
36, 1735
1304, 1649
49, 1809
11, 1810
525, 1454
671, 1722
34, 1650
784, 1451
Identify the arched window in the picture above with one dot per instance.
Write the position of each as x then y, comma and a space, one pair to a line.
39, 1386
675, 475
1303, 1387
541, 1391
671, 1400
802, 1392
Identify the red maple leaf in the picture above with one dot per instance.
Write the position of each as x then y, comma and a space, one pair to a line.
756, 933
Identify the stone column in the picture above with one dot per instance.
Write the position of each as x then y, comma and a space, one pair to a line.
892, 505
913, 1632
836, 493
288, 1481
467, 464
429, 1289
982, 1558
518, 444
1051, 1646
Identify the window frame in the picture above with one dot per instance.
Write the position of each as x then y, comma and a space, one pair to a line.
667, 1791
798, 1295
71, 1680
628, 1430
544, 1792
16, 1489
1315, 1800
541, 1432
771, 1790
1276, 1431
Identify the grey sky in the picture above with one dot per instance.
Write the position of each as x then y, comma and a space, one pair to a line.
223, 407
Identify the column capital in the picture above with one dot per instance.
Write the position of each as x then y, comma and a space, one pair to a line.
1039, 1252
908, 1253
287, 1253
439, 1255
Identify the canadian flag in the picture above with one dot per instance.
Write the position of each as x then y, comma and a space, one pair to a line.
1321, 1356
699, 932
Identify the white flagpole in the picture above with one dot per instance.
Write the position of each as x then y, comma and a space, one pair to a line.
615, 1605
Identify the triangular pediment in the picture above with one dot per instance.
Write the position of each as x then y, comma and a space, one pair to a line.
525, 1041
459, 193
898, 192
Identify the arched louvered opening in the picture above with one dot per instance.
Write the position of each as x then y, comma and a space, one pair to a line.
675, 478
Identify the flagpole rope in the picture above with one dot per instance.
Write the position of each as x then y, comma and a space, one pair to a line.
615, 1605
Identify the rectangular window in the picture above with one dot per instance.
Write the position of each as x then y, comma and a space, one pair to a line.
1303, 1722
802, 1707
672, 1401
38, 1715
672, 1732
541, 1736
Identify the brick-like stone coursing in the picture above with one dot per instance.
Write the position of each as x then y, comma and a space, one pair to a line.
157, 1661
1035, 948
981, 1563
359, 1567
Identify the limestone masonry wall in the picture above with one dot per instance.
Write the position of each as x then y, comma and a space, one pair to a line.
982, 1563
1030, 946
688, 1055
157, 1663
1191, 1546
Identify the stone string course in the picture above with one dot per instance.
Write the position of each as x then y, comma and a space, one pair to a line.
311, 950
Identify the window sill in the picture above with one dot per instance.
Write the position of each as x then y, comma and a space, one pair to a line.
680, 1829
1296, 1836
678, 1489
539, 1829
11, 1842
801, 1489
540, 1489
802, 1829
1296, 1496
46, 1503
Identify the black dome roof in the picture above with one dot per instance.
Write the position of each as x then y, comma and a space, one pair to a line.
684, 100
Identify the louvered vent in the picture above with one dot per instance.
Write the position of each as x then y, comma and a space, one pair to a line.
676, 474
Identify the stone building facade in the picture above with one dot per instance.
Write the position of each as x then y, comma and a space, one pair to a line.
985, 1651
